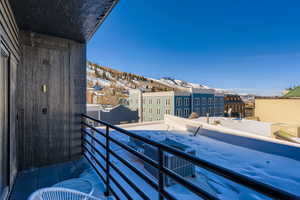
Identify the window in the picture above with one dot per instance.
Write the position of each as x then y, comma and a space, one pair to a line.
178, 112
158, 101
197, 101
186, 112
203, 100
168, 111
186, 101
158, 111
178, 101
150, 101
210, 100
168, 101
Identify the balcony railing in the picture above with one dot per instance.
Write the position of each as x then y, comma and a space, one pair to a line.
91, 152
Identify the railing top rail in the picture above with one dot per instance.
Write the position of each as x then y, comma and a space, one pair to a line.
260, 187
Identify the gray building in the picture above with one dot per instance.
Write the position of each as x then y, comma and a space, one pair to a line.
152, 106
119, 114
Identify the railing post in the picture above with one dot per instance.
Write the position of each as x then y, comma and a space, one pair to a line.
161, 175
82, 133
107, 161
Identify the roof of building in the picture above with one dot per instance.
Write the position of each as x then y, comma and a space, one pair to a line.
71, 19
294, 93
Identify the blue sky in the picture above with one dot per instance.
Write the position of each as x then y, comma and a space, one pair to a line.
251, 46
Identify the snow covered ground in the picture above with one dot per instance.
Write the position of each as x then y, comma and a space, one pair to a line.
278, 171
250, 126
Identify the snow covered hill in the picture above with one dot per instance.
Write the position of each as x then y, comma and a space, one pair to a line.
106, 77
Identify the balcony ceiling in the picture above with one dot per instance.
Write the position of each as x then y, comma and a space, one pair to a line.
71, 19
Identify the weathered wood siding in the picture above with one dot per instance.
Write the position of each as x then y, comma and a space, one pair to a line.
49, 123
9, 33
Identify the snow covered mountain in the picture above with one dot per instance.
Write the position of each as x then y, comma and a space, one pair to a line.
180, 84
108, 77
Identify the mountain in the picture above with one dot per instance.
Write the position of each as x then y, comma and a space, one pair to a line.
179, 84
101, 76
98, 75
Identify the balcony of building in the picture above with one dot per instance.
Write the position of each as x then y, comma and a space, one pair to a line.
46, 139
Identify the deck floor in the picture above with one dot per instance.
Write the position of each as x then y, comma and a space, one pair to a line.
29, 181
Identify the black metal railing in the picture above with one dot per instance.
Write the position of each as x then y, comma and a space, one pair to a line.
159, 186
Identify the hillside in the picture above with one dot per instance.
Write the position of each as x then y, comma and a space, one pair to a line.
106, 77
293, 93
112, 86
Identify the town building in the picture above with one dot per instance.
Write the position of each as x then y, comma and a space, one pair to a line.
249, 109
234, 106
280, 110
152, 106
116, 115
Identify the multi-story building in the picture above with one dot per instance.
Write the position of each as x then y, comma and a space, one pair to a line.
234, 106
153, 106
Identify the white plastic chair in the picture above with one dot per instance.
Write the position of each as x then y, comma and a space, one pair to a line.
54, 193
79, 184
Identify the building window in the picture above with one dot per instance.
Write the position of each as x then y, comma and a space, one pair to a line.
210, 101
203, 101
158, 101
150, 101
158, 111
168, 101
186, 112
186, 101
178, 101
197, 101
178, 112
168, 111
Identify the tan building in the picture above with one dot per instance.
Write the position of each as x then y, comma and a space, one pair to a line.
285, 111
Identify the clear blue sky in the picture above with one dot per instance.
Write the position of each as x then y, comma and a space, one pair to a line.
251, 46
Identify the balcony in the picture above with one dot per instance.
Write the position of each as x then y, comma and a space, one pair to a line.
119, 170
47, 141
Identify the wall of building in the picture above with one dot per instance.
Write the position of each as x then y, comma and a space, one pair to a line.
10, 56
156, 106
119, 115
199, 103
278, 110
49, 121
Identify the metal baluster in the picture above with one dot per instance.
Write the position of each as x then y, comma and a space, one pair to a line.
161, 175
82, 119
107, 161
